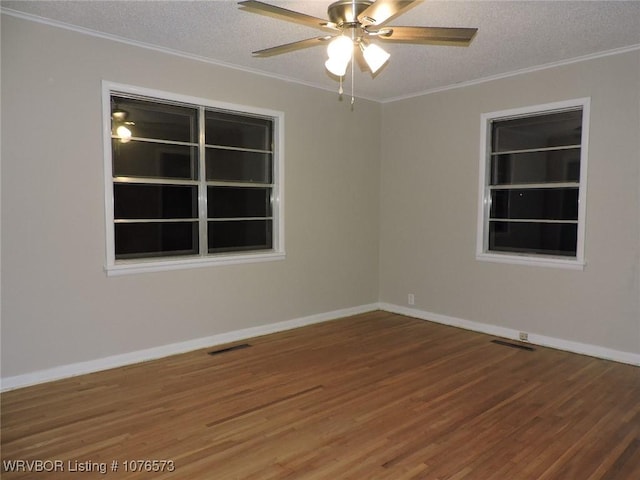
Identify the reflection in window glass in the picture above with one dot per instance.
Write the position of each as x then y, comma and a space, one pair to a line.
154, 160
164, 121
180, 186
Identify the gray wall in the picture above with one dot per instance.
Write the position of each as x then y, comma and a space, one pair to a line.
366, 220
429, 204
59, 307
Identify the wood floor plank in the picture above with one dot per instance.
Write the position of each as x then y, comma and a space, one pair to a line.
373, 396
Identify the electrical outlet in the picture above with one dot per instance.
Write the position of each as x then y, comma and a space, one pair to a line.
411, 299
524, 337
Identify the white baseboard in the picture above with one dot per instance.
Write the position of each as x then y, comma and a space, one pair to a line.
114, 361
542, 340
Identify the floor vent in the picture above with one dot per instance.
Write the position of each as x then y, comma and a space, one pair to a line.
513, 345
230, 349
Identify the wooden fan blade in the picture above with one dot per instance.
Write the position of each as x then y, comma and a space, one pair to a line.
290, 47
284, 14
382, 11
460, 37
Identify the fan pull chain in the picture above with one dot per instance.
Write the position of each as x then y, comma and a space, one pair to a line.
340, 89
352, 84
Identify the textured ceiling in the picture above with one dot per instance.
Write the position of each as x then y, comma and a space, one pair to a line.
512, 36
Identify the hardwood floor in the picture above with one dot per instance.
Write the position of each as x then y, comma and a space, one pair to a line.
374, 396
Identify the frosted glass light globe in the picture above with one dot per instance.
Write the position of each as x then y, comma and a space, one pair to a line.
340, 48
123, 133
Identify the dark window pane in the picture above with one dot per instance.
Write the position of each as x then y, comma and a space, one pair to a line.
537, 131
238, 166
536, 167
135, 201
235, 202
231, 130
158, 120
141, 240
524, 237
154, 160
227, 236
536, 203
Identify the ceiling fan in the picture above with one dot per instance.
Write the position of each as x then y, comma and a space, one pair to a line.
351, 27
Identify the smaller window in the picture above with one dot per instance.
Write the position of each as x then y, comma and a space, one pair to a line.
532, 185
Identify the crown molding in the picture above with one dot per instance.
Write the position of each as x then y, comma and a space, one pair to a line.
219, 63
514, 73
169, 51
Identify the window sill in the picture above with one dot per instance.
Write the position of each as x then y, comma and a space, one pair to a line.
129, 267
532, 260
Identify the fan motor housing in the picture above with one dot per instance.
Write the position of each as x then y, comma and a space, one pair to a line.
345, 12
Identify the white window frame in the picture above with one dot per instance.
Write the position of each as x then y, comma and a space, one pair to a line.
484, 194
142, 265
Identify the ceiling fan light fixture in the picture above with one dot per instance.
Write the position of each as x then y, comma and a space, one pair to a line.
351, 23
337, 66
340, 48
123, 133
375, 56
119, 115
120, 123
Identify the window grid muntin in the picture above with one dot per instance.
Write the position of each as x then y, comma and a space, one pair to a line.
202, 189
533, 150
201, 182
525, 186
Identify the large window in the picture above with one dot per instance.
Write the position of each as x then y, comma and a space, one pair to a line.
189, 182
533, 180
